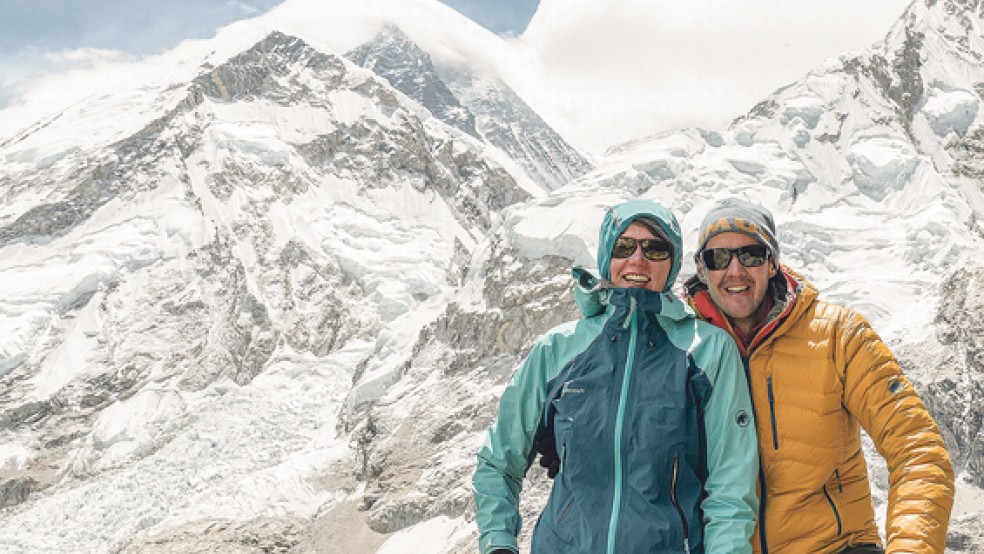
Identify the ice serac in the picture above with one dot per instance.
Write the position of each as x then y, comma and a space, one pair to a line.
481, 105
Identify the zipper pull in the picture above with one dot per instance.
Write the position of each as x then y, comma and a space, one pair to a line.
629, 316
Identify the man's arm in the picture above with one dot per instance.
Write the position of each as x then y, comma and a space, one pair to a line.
888, 408
731, 507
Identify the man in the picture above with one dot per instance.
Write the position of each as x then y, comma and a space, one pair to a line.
817, 374
646, 407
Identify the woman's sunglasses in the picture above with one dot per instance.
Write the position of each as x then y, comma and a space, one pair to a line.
716, 259
653, 249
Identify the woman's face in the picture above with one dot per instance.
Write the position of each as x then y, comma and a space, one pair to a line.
638, 271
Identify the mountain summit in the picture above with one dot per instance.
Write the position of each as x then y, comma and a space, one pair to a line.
484, 107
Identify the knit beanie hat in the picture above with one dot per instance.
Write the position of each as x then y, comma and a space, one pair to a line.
734, 215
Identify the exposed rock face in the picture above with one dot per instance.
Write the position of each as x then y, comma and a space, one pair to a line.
15, 491
486, 109
954, 398
394, 57
261, 536
472, 354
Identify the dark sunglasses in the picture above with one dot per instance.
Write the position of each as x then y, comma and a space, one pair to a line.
656, 250
717, 259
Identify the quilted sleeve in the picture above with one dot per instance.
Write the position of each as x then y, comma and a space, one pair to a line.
884, 402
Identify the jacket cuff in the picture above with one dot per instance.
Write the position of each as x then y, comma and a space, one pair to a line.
498, 539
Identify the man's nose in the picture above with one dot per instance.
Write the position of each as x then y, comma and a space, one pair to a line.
734, 266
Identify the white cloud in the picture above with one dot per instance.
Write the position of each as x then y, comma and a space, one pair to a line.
84, 57
600, 71
606, 71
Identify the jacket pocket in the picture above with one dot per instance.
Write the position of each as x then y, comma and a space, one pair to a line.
676, 504
569, 406
565, 511
831, 489
559, 524
772, 412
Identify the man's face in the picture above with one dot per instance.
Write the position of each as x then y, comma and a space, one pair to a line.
637, 271
737, 290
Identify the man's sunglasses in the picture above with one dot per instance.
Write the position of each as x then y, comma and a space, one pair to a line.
653, 249
716, 259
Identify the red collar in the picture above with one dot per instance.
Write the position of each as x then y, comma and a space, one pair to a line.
706, 309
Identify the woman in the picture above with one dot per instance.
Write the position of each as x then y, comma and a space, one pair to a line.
648, 410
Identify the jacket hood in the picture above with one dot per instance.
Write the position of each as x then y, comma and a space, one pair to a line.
593, 296
618, 218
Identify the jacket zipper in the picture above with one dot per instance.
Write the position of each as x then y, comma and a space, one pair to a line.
763, 496
834, 508
676, 504
632, 325
772, 412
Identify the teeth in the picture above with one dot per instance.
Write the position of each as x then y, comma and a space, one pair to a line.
736, 290
635, 278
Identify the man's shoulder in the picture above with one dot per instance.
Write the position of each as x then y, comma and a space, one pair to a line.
837, 314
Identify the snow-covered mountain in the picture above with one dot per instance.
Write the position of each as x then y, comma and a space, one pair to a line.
266, 299
291, 210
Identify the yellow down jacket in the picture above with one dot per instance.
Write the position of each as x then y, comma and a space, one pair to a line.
818, 373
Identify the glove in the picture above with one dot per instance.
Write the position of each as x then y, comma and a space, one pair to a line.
545, 444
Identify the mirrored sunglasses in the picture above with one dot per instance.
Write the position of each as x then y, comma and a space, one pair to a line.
753, 255
656, 250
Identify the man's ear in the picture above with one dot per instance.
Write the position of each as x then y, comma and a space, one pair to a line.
772, 268
700, 272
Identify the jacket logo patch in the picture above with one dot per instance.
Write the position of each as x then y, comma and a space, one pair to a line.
742, 419
896, 386
569, 388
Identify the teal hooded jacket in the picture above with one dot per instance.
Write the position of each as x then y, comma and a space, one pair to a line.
651, 416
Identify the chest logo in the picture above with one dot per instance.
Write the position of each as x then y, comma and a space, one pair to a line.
896, 386
742, 419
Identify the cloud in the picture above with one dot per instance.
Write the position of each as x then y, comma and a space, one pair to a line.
612, 70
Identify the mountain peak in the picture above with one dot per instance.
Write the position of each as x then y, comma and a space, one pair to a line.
260, 70
396, 58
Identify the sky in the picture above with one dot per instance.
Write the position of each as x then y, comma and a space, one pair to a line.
51, 35
601, 72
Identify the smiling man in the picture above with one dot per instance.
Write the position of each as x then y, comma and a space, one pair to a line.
818, 373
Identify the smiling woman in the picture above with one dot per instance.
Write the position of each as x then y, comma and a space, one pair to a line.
618, 377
